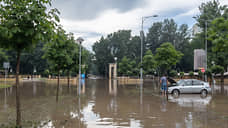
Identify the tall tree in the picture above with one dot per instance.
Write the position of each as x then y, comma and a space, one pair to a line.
133, 48
208, 12
73, 51
153, 38
169, 31
57, 54
23, 23
125, 67
149, 64
166, 57
218, 35
114, 45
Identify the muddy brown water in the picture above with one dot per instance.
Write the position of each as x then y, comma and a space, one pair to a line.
105, 104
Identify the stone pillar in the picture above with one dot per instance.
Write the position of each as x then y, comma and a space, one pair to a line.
110, 71
114, 74
115, 71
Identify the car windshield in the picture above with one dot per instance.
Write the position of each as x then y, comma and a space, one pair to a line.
180, 82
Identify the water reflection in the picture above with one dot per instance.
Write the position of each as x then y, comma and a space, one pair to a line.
113, 87
34, 88
221, 89
104, 104
195, 101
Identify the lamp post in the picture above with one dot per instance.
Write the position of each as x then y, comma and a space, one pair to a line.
141, 35
79, 40
206, 49
115, 69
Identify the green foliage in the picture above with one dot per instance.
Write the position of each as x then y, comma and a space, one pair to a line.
166, 57
208, 72
116, 44
200, 74
169, 31
191, 74
126, 67
149, 63
210, 16
58, 51
181, 74
173, 73
208, 12
217, 69
218, 35
23, 23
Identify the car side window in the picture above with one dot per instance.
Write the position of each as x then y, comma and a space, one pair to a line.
197, 82
188, 83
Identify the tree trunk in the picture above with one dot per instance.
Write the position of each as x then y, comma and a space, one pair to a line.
68, 79
57, 94
18, 104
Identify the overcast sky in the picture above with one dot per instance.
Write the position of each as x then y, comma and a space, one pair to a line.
91, 19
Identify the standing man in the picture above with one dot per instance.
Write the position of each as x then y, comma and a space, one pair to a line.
164, 84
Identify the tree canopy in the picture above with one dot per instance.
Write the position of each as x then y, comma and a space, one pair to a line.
166, 57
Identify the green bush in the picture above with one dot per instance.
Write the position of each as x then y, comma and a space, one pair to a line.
181, 74
191, 74
173, 73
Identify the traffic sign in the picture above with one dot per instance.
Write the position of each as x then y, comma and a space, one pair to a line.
6, 65
202, 70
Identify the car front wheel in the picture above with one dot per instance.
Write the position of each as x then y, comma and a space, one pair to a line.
176, 92
204, 92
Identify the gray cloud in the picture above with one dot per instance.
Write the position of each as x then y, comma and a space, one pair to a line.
89, 9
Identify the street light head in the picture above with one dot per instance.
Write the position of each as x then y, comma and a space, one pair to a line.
115, 58
80, 40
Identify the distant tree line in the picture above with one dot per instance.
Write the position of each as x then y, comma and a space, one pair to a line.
126, 47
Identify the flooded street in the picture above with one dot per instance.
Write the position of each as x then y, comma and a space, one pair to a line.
105, 104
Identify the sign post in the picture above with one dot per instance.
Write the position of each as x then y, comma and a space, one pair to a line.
6, 67
202, 70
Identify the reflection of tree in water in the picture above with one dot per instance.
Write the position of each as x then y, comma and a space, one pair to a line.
127, 107
68, 114
122, 109
42, 106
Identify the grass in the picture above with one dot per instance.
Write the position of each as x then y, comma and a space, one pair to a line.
4, 86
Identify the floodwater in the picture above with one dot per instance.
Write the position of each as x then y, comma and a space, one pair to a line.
105, 104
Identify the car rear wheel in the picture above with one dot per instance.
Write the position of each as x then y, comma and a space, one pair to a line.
204, 92
176, 92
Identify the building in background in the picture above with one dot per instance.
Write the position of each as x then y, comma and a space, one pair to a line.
199, 59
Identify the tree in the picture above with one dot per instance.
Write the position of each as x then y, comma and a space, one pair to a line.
149, 63
114, 45
191, 74
153, 38
178, 36
218, 35
133, 48
125, 67
173, 73
166, 57
23, 23
209, 11
73, 51
57, 54
103, 56
181, 75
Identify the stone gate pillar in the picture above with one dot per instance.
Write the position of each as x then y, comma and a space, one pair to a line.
114, 67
